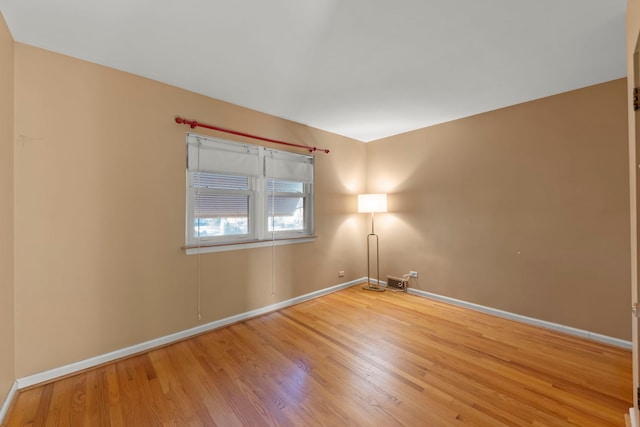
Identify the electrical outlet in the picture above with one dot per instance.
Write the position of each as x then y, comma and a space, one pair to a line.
413, 273
340, 273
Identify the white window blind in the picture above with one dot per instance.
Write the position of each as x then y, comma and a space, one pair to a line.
289, 166
209, 155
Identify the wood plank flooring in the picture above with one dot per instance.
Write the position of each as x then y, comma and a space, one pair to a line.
348, 359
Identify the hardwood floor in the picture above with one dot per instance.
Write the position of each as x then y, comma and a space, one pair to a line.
350, 358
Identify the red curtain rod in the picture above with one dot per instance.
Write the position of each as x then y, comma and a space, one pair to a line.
195, 124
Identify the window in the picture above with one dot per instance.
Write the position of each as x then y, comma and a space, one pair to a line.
220, 204
243, 193
285, 205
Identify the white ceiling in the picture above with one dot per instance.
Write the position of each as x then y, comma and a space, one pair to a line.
365, 69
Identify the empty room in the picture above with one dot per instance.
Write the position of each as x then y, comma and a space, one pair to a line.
416, 213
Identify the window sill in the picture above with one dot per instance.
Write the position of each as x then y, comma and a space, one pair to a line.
223, 247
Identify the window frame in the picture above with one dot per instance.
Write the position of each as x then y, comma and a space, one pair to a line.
231, 238
258, 215
307, 201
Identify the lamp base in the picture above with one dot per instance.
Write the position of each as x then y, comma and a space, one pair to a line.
374, 288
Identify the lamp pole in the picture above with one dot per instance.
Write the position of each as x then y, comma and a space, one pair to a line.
373, 287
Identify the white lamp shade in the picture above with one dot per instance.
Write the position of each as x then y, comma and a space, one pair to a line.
372, 202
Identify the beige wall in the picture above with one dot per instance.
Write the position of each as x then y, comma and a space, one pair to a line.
7, 376
524, 209
99, 214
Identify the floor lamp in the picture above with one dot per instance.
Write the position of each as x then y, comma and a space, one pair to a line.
372, 203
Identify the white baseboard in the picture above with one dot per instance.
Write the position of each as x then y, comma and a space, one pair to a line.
524, 319
7, 402
72, 368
